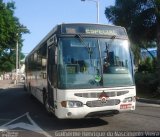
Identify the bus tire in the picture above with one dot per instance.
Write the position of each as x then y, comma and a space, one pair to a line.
30, 92
46, 105
29, 88
25, 88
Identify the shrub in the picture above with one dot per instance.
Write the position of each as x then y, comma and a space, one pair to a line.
147, 66
146, 82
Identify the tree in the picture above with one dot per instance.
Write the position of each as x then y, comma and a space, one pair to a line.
10, 33
141, 18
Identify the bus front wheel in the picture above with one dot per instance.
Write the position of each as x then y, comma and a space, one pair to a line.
46, 104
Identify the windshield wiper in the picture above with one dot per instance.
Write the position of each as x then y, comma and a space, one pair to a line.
86, 45
89, 49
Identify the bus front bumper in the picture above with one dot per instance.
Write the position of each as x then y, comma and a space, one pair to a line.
87, 112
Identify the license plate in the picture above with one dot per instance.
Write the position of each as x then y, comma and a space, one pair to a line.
125, 106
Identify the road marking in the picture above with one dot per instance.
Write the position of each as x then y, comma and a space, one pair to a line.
32, 127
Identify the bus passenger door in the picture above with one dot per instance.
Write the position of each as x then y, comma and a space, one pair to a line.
51, 74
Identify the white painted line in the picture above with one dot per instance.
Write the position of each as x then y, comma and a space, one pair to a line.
37, 127
12, 121
32, 127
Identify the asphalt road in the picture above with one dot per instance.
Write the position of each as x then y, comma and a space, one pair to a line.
23, 116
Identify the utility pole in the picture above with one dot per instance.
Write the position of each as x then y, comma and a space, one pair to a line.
17, 60
97, 5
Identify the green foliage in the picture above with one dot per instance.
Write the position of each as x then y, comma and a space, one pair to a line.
137, 16
146, 82
141, 18
10, 33
8, 66
7, 62
147, 66
7, 26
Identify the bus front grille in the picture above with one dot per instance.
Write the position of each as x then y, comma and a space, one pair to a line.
97, 94
99, 103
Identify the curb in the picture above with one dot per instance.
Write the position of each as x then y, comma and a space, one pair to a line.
148, 101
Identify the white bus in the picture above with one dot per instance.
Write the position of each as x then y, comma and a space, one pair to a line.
82, 70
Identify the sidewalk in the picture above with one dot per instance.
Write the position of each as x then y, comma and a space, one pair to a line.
4, 84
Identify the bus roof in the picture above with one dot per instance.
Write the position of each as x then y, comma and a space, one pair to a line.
84, 29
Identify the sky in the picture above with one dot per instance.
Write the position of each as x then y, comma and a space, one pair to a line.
40, 16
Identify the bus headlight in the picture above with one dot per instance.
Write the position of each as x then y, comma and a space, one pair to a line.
129, 99
71, 104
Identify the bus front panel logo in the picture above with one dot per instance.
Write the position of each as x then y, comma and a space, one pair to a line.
103, 97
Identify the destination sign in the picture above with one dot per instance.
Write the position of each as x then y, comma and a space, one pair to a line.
93, 29
100, 32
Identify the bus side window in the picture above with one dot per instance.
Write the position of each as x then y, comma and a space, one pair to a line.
52, 66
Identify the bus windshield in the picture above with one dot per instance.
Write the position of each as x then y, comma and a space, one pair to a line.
93, 62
